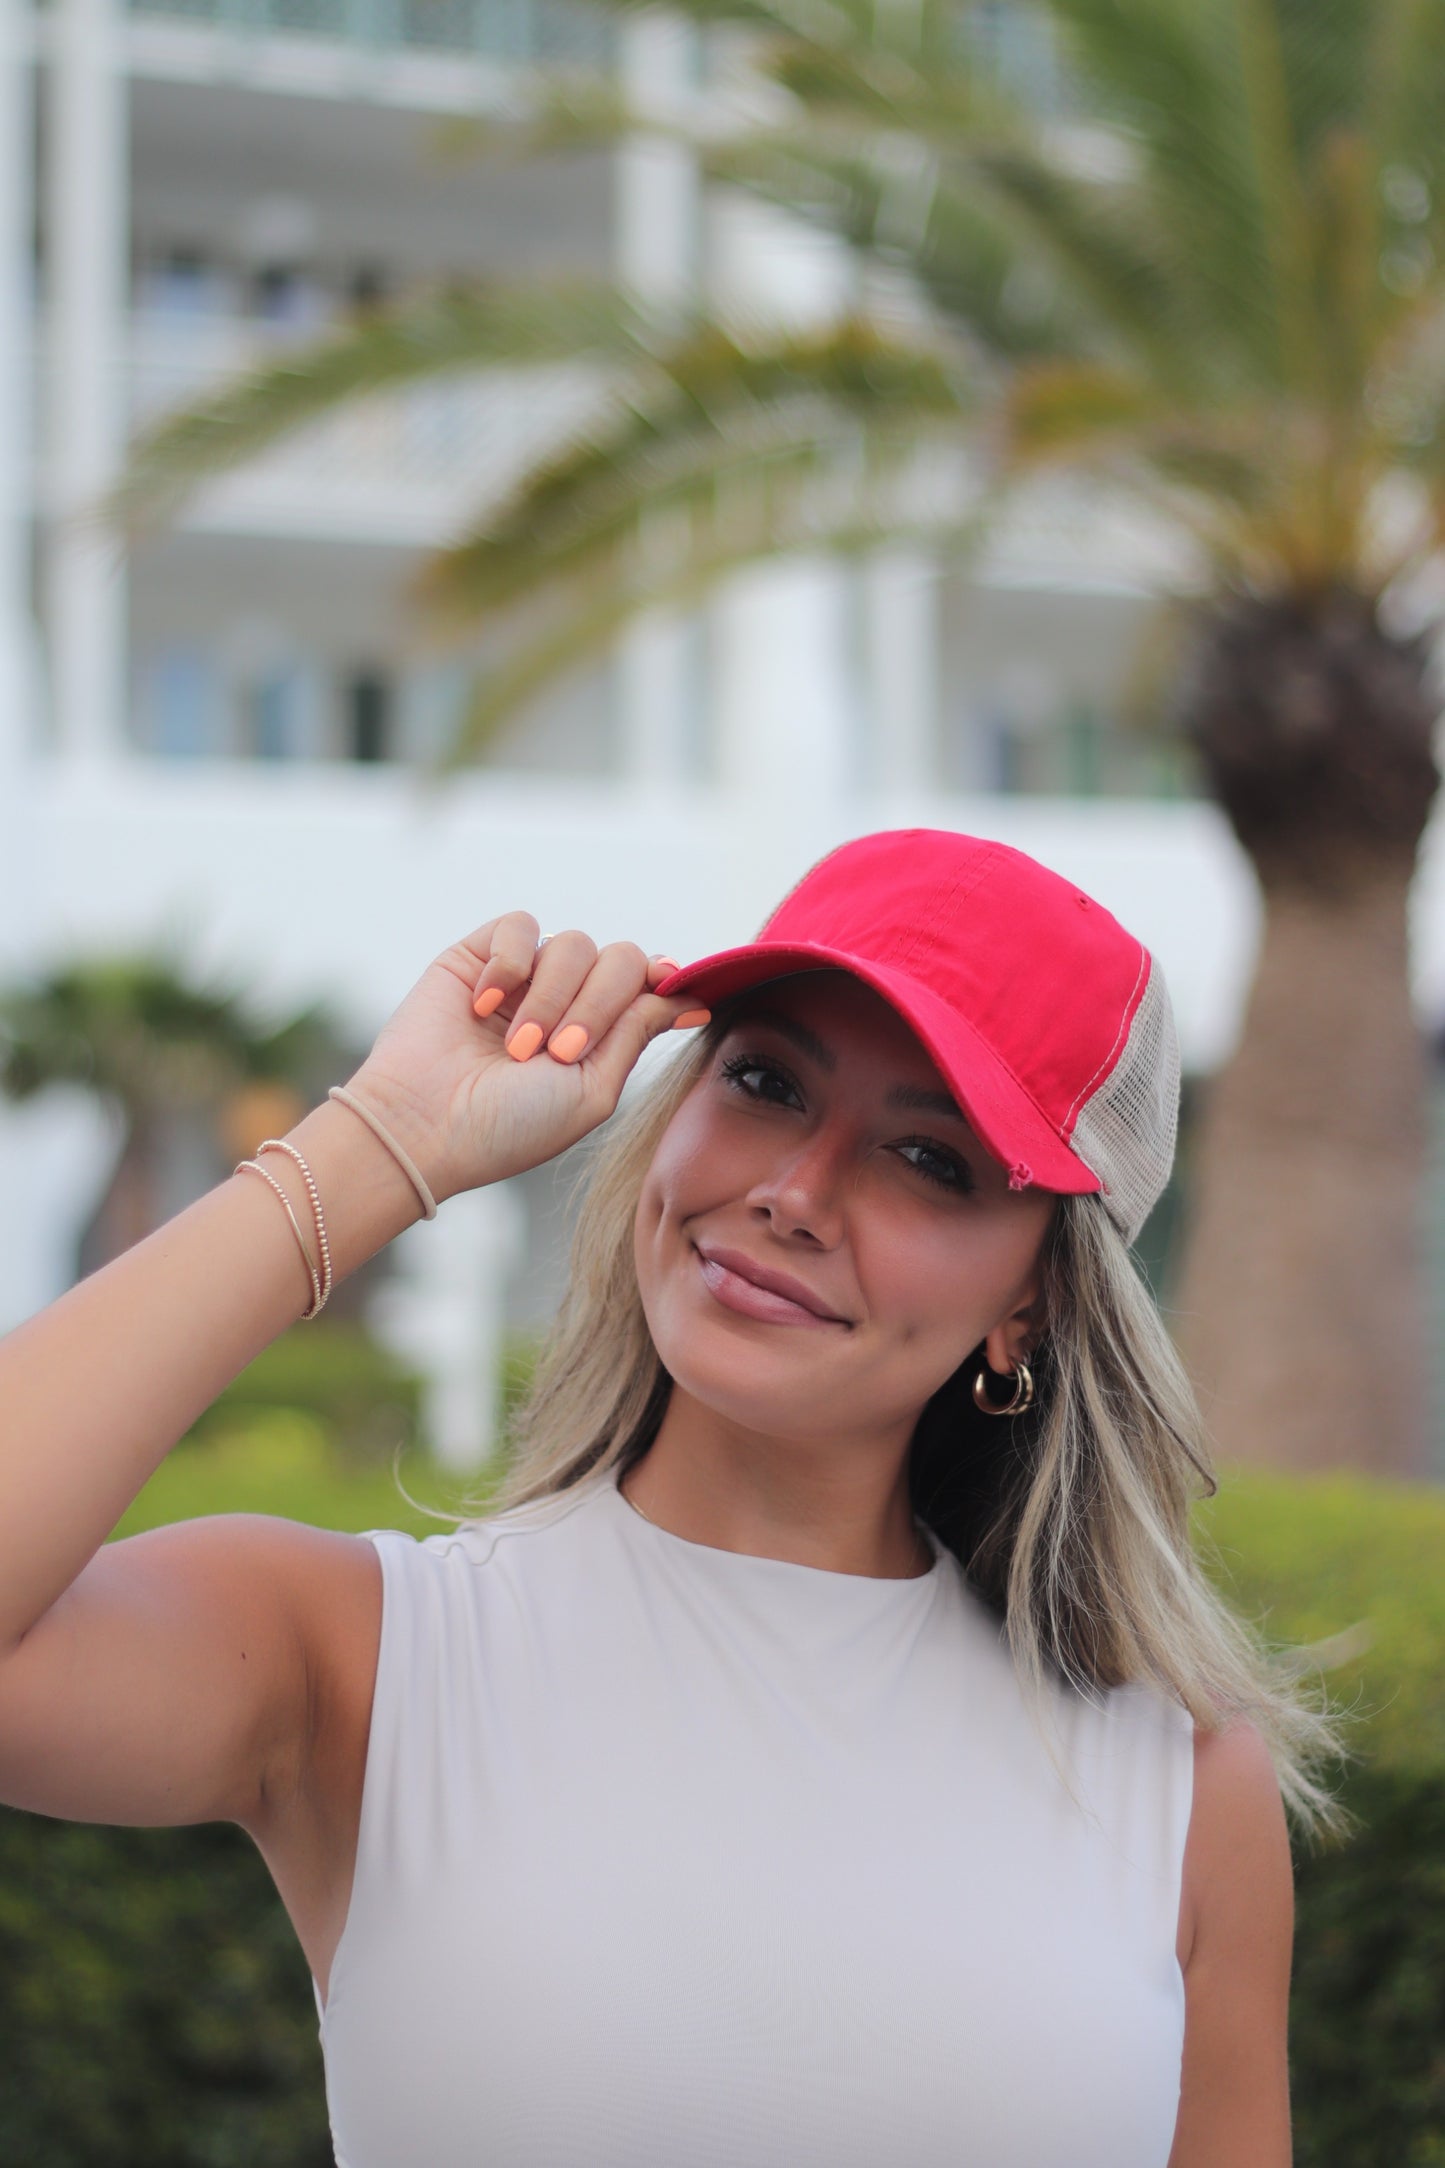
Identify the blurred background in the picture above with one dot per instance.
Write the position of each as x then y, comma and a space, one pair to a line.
460, 455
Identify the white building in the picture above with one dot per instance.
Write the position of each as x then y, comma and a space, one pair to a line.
219, 732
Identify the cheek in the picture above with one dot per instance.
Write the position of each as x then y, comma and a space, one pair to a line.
685, 1173
944, 1285
923, 1291
699, 1163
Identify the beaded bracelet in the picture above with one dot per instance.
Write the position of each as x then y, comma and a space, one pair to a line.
318, 1292
321, 1282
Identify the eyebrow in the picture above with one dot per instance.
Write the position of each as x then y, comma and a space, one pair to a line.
918, 1098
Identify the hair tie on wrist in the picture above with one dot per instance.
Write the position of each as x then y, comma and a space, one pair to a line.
349, 1099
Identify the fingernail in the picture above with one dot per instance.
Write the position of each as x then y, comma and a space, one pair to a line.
523, 1044
491, 997
671, 962
691, 1016
568, 1044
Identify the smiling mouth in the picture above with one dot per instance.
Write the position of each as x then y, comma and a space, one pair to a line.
747, 1299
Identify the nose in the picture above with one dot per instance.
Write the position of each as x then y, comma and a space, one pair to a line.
803, 1190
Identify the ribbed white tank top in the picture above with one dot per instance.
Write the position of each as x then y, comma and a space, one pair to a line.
672, 1857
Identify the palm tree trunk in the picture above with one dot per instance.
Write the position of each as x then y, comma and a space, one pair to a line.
126, 1213
1301, 1302
1300, 1310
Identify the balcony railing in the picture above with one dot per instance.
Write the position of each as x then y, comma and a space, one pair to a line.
498, 30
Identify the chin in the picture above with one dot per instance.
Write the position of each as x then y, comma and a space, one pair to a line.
761, 1389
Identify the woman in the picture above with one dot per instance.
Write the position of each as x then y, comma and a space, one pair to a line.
826, 1749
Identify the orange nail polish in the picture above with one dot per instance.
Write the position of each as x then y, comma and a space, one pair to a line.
671, 961
568, 1044
491, 997
524, 1043
691, 1016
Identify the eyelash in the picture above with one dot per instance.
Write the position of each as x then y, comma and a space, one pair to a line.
738, 1065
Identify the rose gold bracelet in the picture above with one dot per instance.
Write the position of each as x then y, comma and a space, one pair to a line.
316, 1295
321, 1282
279, 1144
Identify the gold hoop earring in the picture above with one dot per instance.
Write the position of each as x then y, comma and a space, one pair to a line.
1023, 1392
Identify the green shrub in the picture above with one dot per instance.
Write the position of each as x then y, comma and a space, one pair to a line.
155, 2008
1308, 1557
279, 1461
368, 1402
1367, 2003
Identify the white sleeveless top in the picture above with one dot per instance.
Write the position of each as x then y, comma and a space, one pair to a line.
673, 1857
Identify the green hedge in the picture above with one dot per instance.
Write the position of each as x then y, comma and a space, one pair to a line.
1367, 2003
1307, 1557
368, 1403
285, 1462
154, 2006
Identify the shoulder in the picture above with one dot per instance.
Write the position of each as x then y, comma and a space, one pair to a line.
1238, 1871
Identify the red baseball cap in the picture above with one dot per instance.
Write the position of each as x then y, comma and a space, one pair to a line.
1051, 1023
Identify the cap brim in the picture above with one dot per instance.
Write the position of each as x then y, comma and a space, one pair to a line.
1007, 1120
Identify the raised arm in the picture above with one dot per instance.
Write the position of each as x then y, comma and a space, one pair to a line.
154, 1679
170, 1677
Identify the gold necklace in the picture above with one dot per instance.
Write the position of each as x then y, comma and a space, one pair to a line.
652, 1524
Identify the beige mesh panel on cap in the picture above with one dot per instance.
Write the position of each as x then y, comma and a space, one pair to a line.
1125, 1131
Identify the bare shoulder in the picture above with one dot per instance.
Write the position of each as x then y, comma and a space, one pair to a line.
1239, 1879
334, 1585
307, 1826
320, 1588
1238, 1873
181, 1675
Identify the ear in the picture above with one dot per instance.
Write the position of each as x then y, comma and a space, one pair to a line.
1013, 1339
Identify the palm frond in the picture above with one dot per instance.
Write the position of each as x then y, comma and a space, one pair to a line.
1104, 244
1404, 125
891, 200
1407, 408
713, 411
1329, 52
903, 71
1054, 409
552, 115
1278, 159
456, 329
780, 514
1167, 74
822, 21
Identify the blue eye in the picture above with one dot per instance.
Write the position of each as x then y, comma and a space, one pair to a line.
956, 1175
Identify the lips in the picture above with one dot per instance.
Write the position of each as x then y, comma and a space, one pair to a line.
757, 1290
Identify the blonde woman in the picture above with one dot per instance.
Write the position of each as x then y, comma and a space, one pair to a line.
826, 1751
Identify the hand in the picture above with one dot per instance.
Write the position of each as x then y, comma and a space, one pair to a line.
468, 1111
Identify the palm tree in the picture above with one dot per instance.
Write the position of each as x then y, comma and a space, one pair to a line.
1215, 292
181, 1064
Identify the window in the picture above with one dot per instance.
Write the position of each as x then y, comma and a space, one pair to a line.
369, 717
181, 707
271, 707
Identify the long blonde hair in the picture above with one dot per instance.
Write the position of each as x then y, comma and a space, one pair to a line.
1071, 1521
